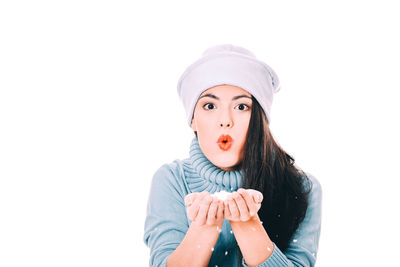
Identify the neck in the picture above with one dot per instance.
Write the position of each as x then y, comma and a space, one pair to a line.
208, 176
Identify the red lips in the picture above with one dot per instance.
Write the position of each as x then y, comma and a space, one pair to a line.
224, 142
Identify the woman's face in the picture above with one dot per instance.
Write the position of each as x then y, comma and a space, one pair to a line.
221, 120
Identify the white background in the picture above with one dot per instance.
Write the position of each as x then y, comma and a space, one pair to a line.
89, 111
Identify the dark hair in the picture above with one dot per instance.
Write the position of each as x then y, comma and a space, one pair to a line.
269, 169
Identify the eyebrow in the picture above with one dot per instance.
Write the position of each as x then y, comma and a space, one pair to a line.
217, 98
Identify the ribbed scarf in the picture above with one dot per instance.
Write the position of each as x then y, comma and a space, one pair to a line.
202, 175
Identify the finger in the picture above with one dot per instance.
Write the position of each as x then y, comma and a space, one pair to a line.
251, 204
212, 212
194, 208
233, 209
257, 195
198, 197
258, 206
221, 210
244, 213
203, 210
189, 199
227, 212
192, 211
220, 214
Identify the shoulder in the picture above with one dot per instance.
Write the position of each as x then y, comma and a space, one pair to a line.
315, 187
314, 209
169, 176
168, 170
312, 220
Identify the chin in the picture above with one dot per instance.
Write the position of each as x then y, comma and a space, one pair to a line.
226, 164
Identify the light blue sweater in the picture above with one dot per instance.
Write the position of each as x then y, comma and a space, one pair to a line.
166, 222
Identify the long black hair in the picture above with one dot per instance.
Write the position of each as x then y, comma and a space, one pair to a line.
269, 169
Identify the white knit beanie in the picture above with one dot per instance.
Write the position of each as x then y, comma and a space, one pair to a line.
228, 64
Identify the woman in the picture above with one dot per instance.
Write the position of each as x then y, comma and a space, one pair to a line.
272, 216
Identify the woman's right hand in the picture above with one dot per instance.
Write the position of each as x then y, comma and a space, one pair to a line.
204, 209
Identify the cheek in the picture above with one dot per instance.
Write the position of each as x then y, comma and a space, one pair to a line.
242, 130
242, 124
204, 125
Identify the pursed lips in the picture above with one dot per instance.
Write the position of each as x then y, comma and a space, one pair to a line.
225, 142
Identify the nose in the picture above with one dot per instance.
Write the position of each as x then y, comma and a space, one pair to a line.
226, 120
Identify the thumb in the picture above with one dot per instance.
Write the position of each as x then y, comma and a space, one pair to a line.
259, 197
188, 200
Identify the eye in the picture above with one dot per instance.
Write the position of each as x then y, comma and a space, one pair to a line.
209, 106
242, 107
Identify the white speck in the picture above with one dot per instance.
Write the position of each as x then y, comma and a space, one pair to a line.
261, 222
279, 215
231, 188
216, 265
212, 249
226, 253
295, 197
276, 235
252, 228
294, 240
222, 195
231, 232
268, 249
313, 254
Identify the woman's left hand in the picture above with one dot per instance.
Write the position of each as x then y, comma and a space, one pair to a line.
243, 205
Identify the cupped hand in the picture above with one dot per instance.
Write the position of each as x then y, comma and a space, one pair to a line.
242, 205
204, 209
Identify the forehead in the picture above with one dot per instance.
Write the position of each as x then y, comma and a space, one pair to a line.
226, 90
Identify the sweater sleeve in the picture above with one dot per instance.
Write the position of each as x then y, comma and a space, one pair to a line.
166, 222
302, 250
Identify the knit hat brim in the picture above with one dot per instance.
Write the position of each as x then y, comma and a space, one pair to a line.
232, 68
